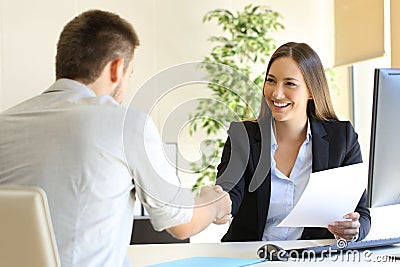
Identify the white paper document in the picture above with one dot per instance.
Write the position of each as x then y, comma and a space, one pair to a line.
329, 196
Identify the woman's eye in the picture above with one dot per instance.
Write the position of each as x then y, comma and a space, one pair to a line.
270, 80
291, 84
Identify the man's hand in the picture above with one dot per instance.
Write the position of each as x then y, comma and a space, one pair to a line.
220, 200
213, 205
227, 217
348, 229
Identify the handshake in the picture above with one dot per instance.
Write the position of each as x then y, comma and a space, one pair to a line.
213, 205
219, 201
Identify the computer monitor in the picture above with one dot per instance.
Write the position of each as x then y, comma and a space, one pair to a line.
384, 165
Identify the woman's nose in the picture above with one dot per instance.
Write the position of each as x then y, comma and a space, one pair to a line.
278, 92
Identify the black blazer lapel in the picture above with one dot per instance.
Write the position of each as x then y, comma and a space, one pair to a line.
320, 147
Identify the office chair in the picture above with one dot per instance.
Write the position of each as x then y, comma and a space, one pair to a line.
26, 231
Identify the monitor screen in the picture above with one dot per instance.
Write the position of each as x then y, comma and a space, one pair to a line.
384, 165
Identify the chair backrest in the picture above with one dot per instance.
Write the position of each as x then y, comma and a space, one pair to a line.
26, 231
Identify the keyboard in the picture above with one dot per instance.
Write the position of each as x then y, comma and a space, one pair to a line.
341, 245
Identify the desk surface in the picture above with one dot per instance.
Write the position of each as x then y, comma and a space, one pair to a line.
142, 255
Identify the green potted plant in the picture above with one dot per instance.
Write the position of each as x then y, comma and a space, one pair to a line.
244, 47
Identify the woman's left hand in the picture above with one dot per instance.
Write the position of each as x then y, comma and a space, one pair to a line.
348, 229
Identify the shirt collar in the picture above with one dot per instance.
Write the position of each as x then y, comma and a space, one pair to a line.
67, 84
308, 135
79, 90
273, 139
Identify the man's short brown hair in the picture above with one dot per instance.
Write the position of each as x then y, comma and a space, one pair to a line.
91, 40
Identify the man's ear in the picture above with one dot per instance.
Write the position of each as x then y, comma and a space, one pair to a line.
116, 70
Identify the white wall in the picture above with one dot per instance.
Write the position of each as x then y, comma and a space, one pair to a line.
28, 34
30, 30
363, 98
171, 32
309, 21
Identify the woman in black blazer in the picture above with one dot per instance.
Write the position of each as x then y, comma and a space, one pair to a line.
307, 137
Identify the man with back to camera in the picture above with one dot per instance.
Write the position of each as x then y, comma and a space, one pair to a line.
69, 141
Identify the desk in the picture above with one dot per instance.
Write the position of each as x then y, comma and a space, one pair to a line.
142, 255
383, 226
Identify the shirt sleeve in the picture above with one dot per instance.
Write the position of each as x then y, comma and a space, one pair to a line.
157, 185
